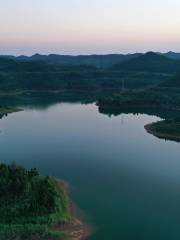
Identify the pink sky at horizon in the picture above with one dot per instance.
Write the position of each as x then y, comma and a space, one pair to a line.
88, 27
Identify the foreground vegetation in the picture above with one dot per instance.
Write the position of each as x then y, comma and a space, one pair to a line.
30, 204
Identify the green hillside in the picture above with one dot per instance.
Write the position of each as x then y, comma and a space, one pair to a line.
173, 82
100, 61
30, 204
42, 76
164, 95
150, 62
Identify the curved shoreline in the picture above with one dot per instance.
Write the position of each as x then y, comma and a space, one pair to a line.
151, 129
76, 228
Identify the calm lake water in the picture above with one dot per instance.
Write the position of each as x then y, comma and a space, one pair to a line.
126, 181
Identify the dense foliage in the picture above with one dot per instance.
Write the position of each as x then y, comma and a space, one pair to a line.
101, 61
166, 95
42, 76
154, 97
173, 82
150, 62
168, 126
30, 204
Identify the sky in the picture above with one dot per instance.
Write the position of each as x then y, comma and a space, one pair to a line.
89, 26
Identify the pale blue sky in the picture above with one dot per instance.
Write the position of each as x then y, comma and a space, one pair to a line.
89, 26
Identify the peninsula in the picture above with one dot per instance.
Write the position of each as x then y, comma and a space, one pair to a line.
167, 129
35, 207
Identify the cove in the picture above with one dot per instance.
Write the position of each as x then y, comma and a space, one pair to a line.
125, 181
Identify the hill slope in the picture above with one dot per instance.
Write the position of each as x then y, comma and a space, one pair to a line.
30, 204
173, 82
172, 55
101, 61
150, 62
164, 95
42, 76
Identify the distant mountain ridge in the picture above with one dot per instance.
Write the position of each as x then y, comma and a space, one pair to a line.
97, 60
150, 62
102, 61
39, 75
172, 55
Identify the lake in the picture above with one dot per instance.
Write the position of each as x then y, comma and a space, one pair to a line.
126, 181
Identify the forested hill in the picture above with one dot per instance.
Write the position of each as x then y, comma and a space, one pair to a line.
165, 95
101, 61
12, 65
150, 62
31, 205
172, 55
173, 82
42, 76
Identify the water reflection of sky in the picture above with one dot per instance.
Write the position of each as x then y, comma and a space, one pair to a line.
98, 155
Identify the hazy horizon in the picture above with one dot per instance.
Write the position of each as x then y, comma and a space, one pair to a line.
77, 27
88, 54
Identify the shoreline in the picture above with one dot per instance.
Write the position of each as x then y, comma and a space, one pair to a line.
137, 107
76, 228
9, 110
151, 130
59, 91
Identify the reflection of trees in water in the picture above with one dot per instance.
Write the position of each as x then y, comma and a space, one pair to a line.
122, 120
164, 114
45, 100
3, 115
